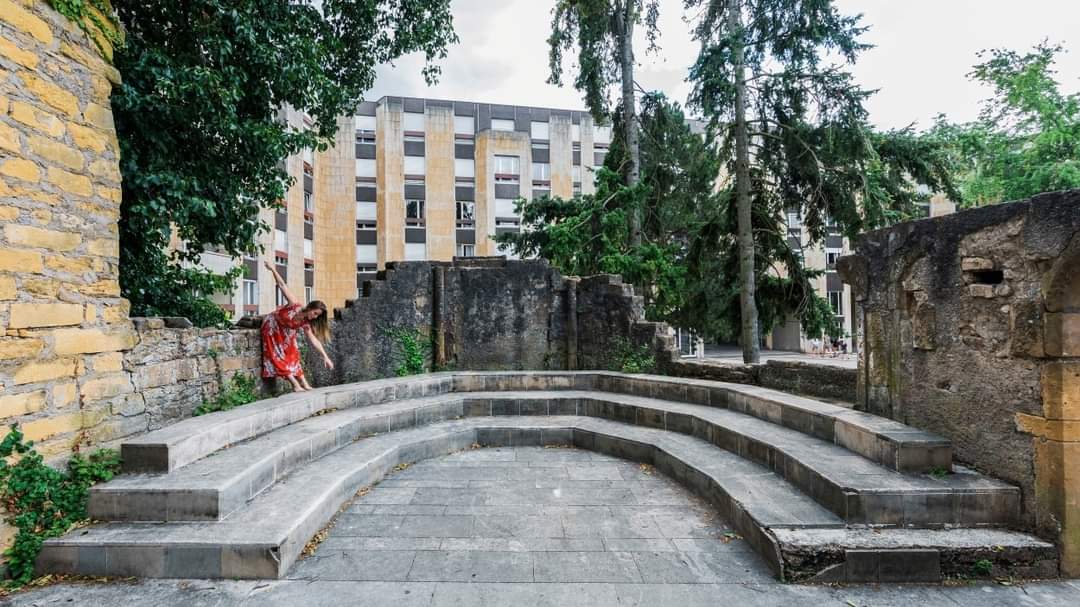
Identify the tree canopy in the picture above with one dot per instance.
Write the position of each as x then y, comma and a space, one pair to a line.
1026, 139
197, 117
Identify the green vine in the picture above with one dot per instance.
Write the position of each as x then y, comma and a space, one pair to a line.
411, 350
97, 12
42, 502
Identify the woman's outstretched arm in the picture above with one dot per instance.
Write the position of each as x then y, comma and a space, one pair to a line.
314, 341
281, 284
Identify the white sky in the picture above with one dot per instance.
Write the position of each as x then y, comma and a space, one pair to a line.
923, 49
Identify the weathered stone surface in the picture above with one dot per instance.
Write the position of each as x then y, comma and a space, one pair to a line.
1001, 283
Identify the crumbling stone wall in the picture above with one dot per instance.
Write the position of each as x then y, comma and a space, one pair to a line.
175, 367
971, 329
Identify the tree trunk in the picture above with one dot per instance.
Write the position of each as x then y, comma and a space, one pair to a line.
747, 305
630, 126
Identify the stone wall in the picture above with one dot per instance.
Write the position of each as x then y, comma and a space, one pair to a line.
829, 382
64, 323
971, 329
174, 368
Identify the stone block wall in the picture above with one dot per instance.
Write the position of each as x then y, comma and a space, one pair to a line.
174, 369
971, 329
64, 323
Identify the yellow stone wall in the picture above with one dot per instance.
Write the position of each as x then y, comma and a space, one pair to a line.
389, 174
335, 218
60, 308
441, 205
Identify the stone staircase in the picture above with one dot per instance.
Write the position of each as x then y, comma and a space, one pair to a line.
821, 492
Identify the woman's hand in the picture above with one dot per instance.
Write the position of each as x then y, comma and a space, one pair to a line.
329, 363
266, 264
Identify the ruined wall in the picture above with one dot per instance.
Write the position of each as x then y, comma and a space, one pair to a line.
492, 314
972, 330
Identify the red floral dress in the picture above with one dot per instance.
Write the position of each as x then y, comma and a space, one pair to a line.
281, 357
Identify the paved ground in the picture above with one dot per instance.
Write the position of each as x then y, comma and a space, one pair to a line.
732, 354
531, 526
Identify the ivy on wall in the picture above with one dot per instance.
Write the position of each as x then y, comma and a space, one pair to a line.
96, 18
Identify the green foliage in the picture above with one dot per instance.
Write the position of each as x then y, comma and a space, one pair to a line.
1027, 138
201, 128
411, 350
241, 390
982, 568
938, 472
594, 29
630, 358
42, 502
812, 148
686, 266
98, 13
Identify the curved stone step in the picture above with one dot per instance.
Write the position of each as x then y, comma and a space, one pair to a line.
889, 443
217, 485
263, 539
856, 489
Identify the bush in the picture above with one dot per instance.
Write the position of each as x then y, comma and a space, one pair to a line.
42, 502
629, 358
241, 390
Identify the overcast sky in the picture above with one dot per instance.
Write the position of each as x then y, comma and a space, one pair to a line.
923, 49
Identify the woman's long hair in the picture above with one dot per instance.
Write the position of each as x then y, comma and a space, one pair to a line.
320, 325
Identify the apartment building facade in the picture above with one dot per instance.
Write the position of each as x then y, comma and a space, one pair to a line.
411, 179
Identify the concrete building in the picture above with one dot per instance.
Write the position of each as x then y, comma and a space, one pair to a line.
411, 179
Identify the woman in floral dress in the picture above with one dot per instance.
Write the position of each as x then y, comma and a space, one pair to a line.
281, 357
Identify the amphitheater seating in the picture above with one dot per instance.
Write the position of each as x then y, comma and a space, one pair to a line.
821, 492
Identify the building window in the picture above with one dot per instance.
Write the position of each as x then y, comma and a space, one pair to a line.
464, 126
465, 167
541, 171
575, 133
365, 168
366, 254
414, 212
505, 207
466, 213
507, 169
831, 255
836, 302
415, 251
539, 130
309, 203
366, 225
414, 165
281, 260
309, 294
540, 145
414, 123
309, 158
365, 137
365, 212
279, 297
575, 172
309, 249
281, 240
794, 221
364, 123
498, 124
466, 250
251, 293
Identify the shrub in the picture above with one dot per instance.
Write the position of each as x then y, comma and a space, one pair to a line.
629, 358
41, 501
411, 350
241, 390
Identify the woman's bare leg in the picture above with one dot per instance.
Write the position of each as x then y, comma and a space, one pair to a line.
304, 382
295, 384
